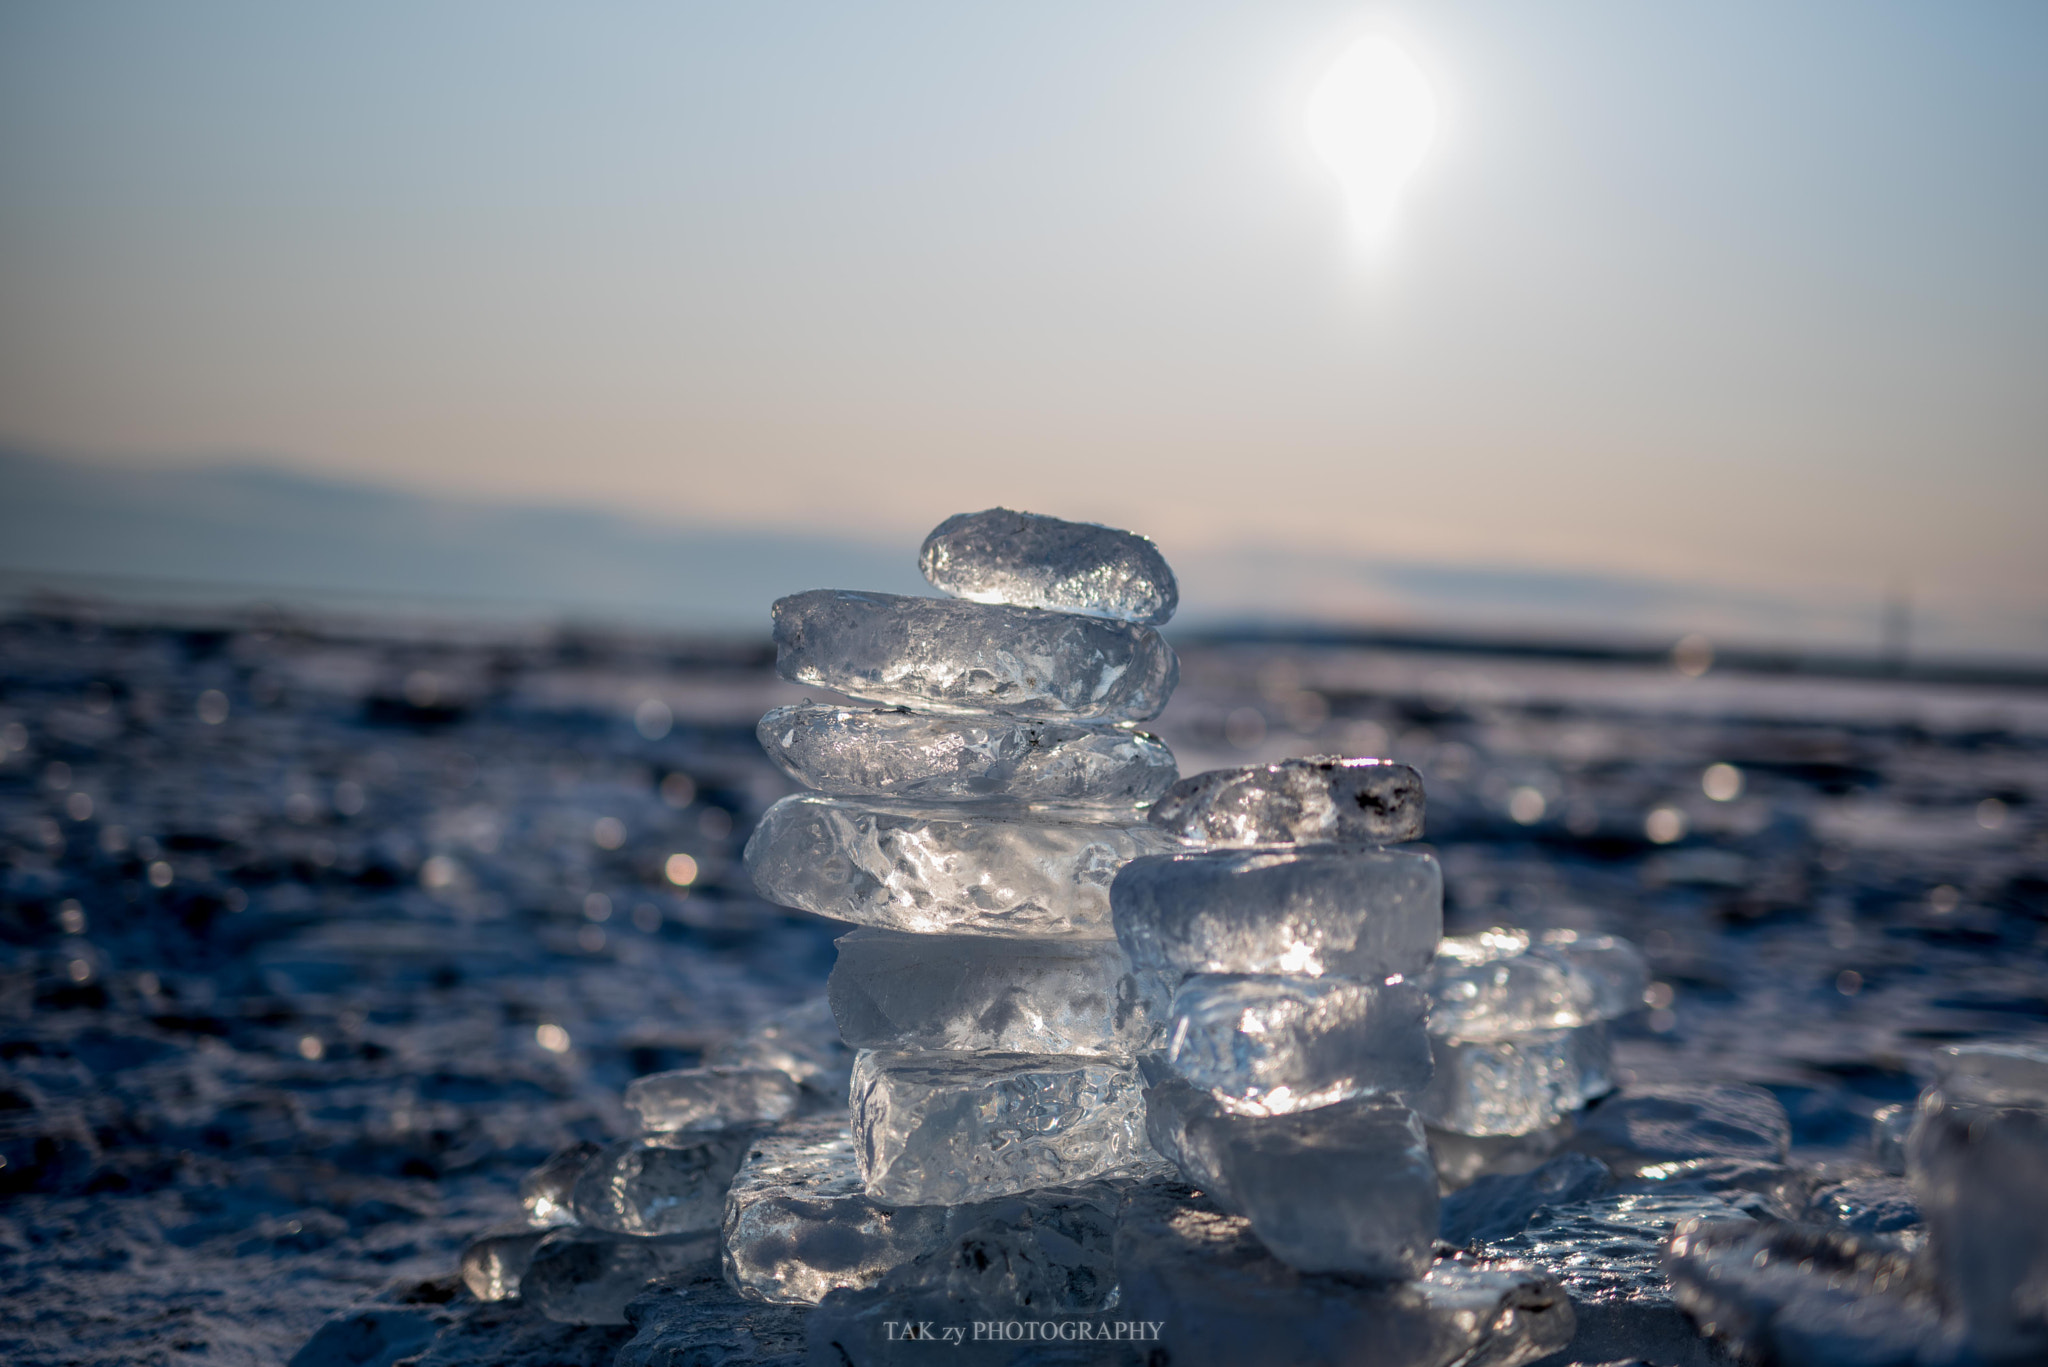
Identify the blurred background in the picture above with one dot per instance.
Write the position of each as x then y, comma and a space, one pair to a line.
408, 414
1725, 318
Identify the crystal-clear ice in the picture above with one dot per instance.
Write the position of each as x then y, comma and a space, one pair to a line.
494, 1261
1515, 1085
894, 752
659, 1184
1296, 802
942, 1128
711, 1098
1031, 560
891, 990
1503, 982
1342, 1188
587, 1276
1352, 913
1264, 1045
1977, 1158
947, 655
1223, 1300
958, 870
802, 1042
545, 1191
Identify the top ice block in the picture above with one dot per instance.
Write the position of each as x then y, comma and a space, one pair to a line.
1033, 561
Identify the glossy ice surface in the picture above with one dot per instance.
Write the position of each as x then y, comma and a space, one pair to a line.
998, 556
1343, 1188
935, 869
1505, 982
1296, 802
1353, 913
494, 1261
941, 1128
892, 990
660, 1184
947, 655
1271, 1045
711, 1098
587, 1276
894, 752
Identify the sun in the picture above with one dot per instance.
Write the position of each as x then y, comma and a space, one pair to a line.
1371, 120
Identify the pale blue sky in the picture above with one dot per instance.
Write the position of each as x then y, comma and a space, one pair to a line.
1739, 293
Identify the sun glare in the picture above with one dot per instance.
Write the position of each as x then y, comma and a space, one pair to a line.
1371, 120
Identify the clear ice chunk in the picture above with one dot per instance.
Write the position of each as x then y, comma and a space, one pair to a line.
1035, 561
1350, 913
1343, 1188
587, 1276
893, 752
947, 655
940, 870
1222, 1299
944, 1128
1516, 1085
711, 1098
802, 1042
659, 1184
891, 990
1812, 1296
545, 1191
1296, 802
798, 1221
1503, 982
1608, 1254
1271, 1045
1462, 1159
494, 1261
1651, 1127
1977, 1159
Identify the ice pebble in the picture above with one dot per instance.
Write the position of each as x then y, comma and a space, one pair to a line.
1517, 1085
1271, 1045
1031, 560
660, 1184
1296, 802
587, 1276
711, 1098
494, 1261
545, 1191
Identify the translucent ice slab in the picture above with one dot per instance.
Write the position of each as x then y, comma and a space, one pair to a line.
1350, 913
956, 870
660, 1184
948, 655
891, 990
893, 752
493, 1262
942, 1128
1297, 801
586, 1276
1504, 982
1515, 1085
1035, 561
1343, 1188
711, 1098
1271, 1045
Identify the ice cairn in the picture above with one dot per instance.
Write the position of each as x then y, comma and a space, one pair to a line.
1126, 1085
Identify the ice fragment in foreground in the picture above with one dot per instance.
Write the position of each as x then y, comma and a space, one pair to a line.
1882, 1207
942, 1128
1978, 1161
1609, 1255
545, 1191
1343, 1188
798, 1221
586, 1276
1816, 1297
1270, 1045
1035, 561
1503, 982
661, 1184
1297, 801
711, 1098
1364, 914
890, 990
1651, 1126
1516, 1085
945, 870
1223, 1300
802, 1042
953, 656
494, 1261
893, 752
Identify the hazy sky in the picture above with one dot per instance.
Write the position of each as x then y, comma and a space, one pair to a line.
1748, 293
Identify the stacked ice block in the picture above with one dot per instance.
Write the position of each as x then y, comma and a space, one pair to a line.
1284, 947
1518, 1026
